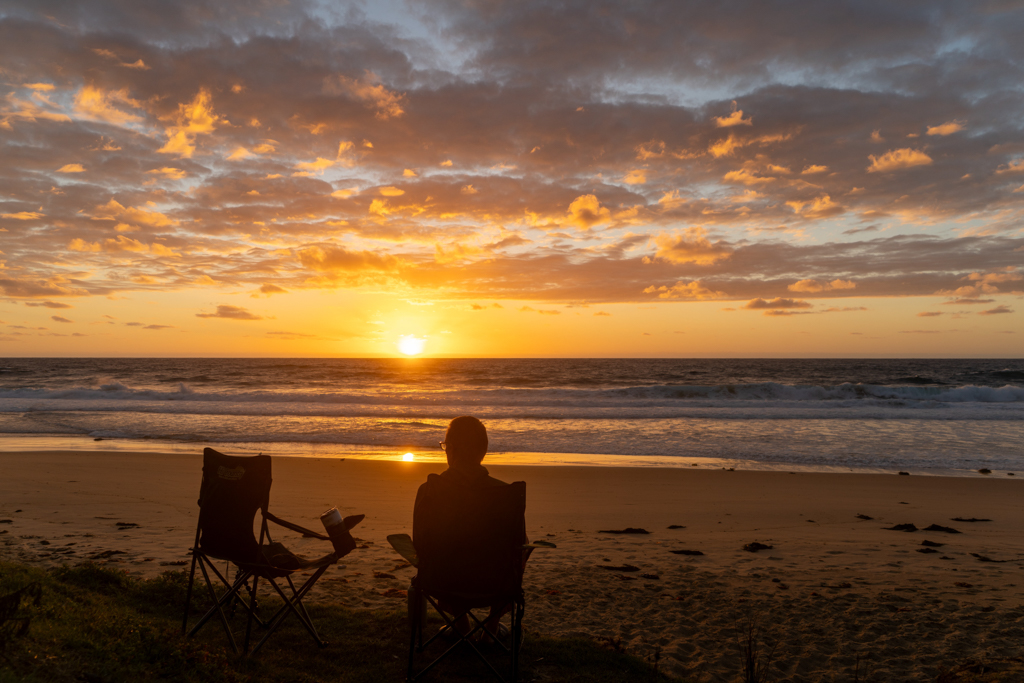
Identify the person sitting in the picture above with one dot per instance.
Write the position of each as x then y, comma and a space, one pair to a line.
465, 445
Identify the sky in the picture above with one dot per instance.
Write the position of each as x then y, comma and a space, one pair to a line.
488, 178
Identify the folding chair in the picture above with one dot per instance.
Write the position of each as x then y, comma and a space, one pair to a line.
469, 553
233, 490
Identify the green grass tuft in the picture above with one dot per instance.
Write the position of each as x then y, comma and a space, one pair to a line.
101, 625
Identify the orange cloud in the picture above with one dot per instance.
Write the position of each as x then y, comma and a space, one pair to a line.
812, 286
1015, 166
191, 119
775, 304
113, 210
898, 159
71, 168
331, 258
635, 177
733, 119
309, 168
820, 207
169, 172
947, 128
231, 313
692, 246
586, 211
388, 104
93, 103
681, 290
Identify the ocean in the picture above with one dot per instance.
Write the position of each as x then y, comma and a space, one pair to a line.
949, 417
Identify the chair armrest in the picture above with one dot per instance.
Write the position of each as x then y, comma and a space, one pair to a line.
349, 522
402, 543
295, 527
540, 544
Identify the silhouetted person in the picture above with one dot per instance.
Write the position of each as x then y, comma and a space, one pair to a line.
465, 444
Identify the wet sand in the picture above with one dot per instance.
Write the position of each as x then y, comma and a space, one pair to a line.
832, 589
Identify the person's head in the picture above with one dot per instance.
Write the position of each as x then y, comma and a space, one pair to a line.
466, 441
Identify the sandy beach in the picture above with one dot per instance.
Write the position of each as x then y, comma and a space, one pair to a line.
833, 587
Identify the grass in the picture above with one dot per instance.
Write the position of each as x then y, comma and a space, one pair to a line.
101, 625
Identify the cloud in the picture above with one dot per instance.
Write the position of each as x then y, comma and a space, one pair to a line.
812, 286
996, 311
733, 119
191, 119
71, 168
929, 314
530, 309
691, 246
268, 289
897, 160
813, 170
231, 313
776, 303
586, 211
59, 319
1014, 166
169, 172
947, 128
388, 104
688, 290
603, 313
391, 192
47, 304
22, 215
637, 176
308, 168
819, 207
331, 258
95, 103
158, 327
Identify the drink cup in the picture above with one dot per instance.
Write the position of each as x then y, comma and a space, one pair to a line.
341, 539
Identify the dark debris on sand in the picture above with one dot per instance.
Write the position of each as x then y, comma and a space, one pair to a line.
627, 530
902, 527
686, 552
755, 546
970, 519
619, 567
944, 529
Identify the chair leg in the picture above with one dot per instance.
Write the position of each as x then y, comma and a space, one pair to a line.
188, 593
229, 595
289, 606
305, 614
517, 637
248, 622
217, 606
417, 612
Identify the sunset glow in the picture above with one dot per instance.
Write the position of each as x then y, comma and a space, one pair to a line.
411, 345
509, 179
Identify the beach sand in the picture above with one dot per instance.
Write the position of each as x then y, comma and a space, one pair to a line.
832, 589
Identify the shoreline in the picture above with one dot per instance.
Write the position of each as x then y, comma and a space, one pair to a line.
832, 584
86, 444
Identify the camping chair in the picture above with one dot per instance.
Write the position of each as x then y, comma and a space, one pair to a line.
233, 489
469, 553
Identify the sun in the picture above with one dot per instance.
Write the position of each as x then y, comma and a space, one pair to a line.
411, 345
